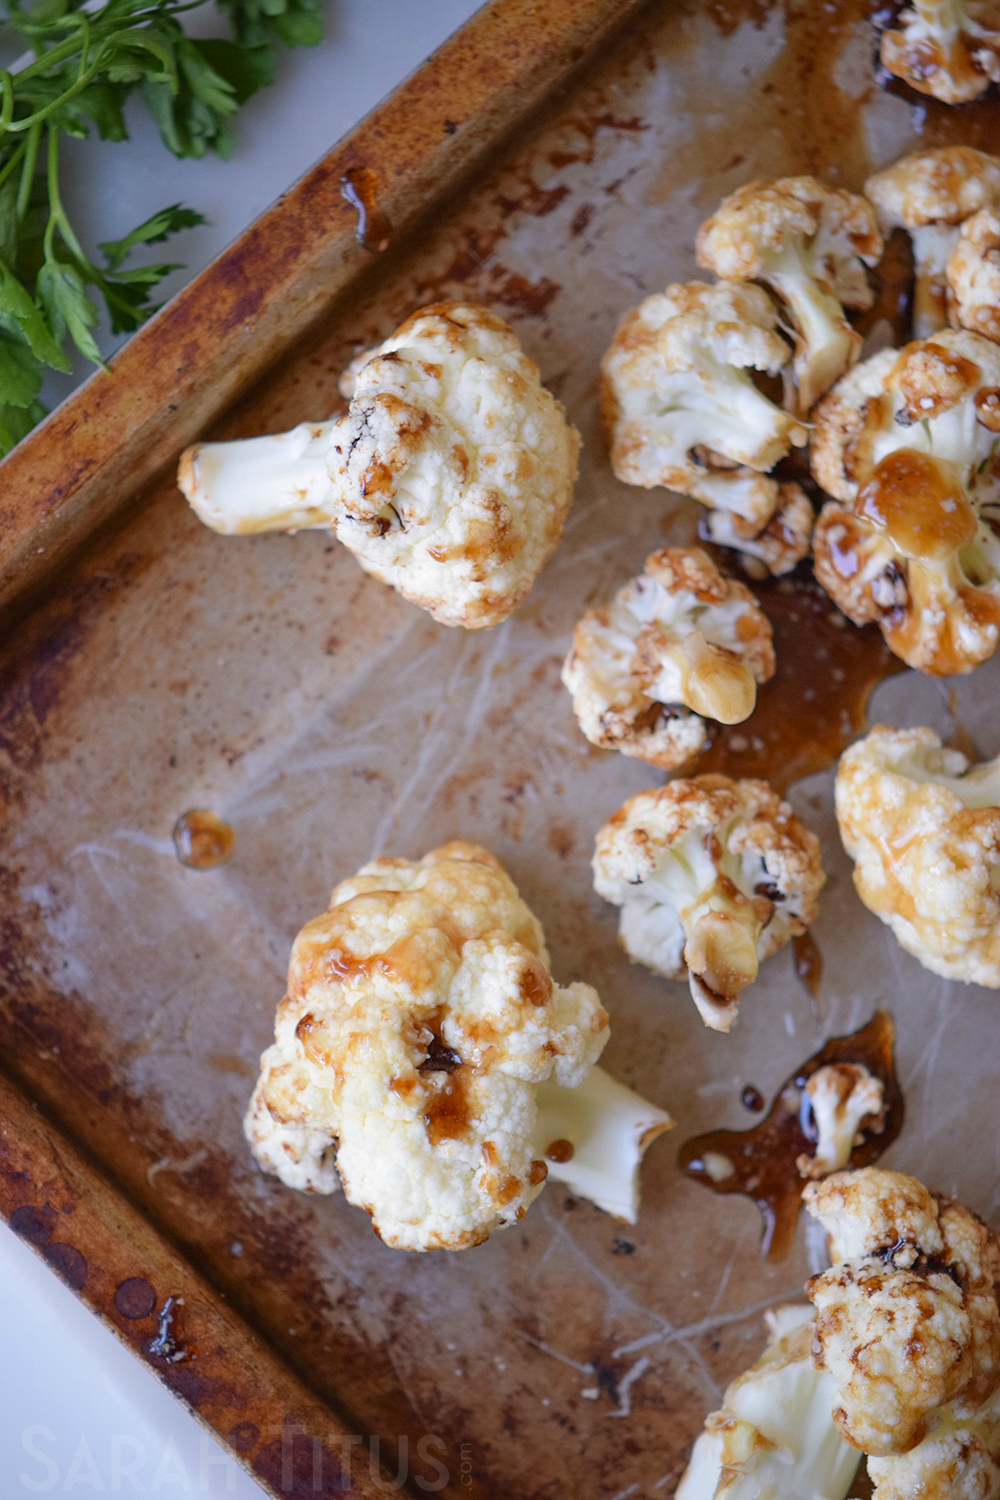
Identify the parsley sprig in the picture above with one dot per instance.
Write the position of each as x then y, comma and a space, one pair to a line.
88, 59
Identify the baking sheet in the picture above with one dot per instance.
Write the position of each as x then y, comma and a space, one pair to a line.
270, 680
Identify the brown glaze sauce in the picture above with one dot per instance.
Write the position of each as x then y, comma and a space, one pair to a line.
918, 502
763, 1159
560, 1151
892, 283
808, 962
816, 702
448, 1115
373, 228
202, 839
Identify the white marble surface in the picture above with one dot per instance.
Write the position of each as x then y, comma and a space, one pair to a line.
78, 1413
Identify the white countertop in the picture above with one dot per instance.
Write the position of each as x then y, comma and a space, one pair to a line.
78, 1413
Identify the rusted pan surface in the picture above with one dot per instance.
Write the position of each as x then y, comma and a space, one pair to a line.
151, 1298
269, 680
290, 266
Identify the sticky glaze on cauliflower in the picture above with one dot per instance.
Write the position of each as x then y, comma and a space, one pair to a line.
774, 1438
908, 445
973, 273
680, 408
419, 1019
776, 549
677, 645
907, 1319
930, 194
712, 876
924, 833
810, 243
845, 1098
949, 49
959, 1459
449, 477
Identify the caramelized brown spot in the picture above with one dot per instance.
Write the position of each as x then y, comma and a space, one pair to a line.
448, 1115
932, 379
988, 409
440, 1058
560, 1151
919, 503
764, 1158
537, 1173
535, 984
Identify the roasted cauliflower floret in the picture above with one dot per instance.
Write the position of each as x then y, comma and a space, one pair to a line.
678, 644
924, 833
680, 408
712, 876
959, 1459
907, 1319
449, 477
908, 443
931, 194
774, 1436
973, 273
810, 243
783, 542
945, 48
844, 1098
419, 1019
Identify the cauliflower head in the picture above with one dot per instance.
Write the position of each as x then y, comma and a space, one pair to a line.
944, 48
843, 1097
680, 409
774, 1438
931, 194
810, 243
924, 833
419, 1020
679, 644
782, 543
907, 1319
973, 273
908, 444
449, 477
712, 876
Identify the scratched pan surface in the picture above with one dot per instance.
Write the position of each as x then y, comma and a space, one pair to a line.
270, 680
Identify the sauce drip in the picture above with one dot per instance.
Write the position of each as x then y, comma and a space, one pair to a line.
816, 702
763, 1159
373, 228
918, 501
202, 839
752, 1099
448, 1114
808, 962
893, 304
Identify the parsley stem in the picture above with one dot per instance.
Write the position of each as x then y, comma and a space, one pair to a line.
30, 147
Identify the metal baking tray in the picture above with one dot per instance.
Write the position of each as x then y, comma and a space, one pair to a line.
552, 161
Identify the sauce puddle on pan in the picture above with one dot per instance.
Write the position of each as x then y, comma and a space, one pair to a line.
816, 702
762, 1160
